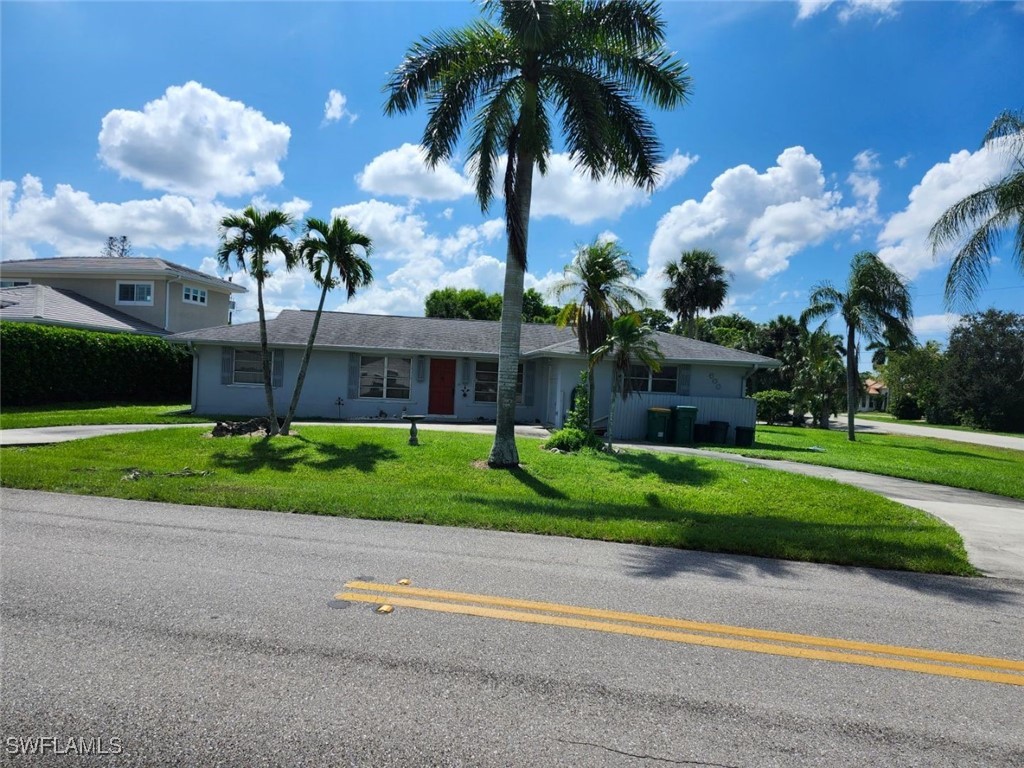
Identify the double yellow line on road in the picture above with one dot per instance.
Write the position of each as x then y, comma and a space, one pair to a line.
983, 668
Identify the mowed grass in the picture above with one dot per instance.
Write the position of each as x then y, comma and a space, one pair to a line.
68, 414
674, 501
926, 459
885, 417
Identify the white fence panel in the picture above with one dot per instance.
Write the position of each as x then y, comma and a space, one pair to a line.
630, 422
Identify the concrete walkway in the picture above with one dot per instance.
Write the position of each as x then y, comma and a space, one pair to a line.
869, 426
992, 527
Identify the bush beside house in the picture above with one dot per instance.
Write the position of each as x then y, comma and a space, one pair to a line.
42, 364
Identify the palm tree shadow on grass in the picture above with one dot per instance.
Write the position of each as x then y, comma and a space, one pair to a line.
534, 483
281, 456
667, 468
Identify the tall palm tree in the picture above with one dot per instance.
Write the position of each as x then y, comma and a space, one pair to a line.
979, 220
876, 304
599, 278
252, 237
628, 341
696, 282
509, 75
323, 248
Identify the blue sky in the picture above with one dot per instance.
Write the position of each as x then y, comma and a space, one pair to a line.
815, 130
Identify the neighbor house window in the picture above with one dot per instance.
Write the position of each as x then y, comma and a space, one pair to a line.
249, 366
384, 376
486, 388
192, 295
135, 293
643, 379
14, 283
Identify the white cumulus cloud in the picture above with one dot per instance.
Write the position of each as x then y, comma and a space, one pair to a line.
404, 172
193, 141
335, 108
850, 9
935, 326
904, 239
755, 221
74, 224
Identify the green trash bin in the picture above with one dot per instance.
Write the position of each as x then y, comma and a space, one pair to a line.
744, 437
686, 417
659, 424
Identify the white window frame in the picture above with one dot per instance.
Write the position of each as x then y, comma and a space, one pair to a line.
488, 380
117, 294
645, 383
259, 369
14, 282
388, 384
192, 295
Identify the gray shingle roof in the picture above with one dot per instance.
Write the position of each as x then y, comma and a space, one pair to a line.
132, 265
53, 306
422, 335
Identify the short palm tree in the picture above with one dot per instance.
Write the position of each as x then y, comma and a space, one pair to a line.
510, 75
979, 220
876, 305
251, 238
599, 279
323, 249
696, 282
818, 377
628, 341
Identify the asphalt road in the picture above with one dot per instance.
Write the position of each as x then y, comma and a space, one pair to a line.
200, 636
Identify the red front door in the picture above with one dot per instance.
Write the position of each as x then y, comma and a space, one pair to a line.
442, 387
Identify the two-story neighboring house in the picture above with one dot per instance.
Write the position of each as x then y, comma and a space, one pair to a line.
162, 295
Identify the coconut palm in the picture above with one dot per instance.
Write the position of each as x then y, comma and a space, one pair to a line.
323, 249
980, 219
628, 341
876, 305
598, 277
510, 75
252, 237
696, 282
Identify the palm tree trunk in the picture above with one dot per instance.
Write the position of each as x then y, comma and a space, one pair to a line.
268, 381
851, 382
306, 354
611, 413
504, 452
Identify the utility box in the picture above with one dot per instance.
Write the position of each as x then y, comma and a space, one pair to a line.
659, 425
686, 417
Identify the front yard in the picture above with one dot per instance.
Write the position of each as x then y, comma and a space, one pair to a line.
675, 501
928, 460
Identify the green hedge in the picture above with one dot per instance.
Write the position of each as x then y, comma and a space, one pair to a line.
42, 364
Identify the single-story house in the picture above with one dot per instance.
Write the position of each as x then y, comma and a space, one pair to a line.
874, 397
374, 366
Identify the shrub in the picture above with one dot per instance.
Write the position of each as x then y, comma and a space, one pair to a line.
904, 407
773, 405
42, 364
572, 440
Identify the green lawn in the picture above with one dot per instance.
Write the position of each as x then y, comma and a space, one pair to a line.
885, 417
67, 414
927, 459
676, 501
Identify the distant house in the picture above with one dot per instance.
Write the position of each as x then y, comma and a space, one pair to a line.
874, 397
372, 366
136, 295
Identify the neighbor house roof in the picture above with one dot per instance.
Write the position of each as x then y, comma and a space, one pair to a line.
425, 335
131, 266
52, 306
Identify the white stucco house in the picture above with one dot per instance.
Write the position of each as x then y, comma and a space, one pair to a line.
374, 366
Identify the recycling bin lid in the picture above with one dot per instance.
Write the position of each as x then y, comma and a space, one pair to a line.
659, 410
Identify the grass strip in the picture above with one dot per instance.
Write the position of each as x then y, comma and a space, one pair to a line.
925, 459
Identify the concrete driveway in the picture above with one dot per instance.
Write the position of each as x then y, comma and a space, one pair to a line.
884, 427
